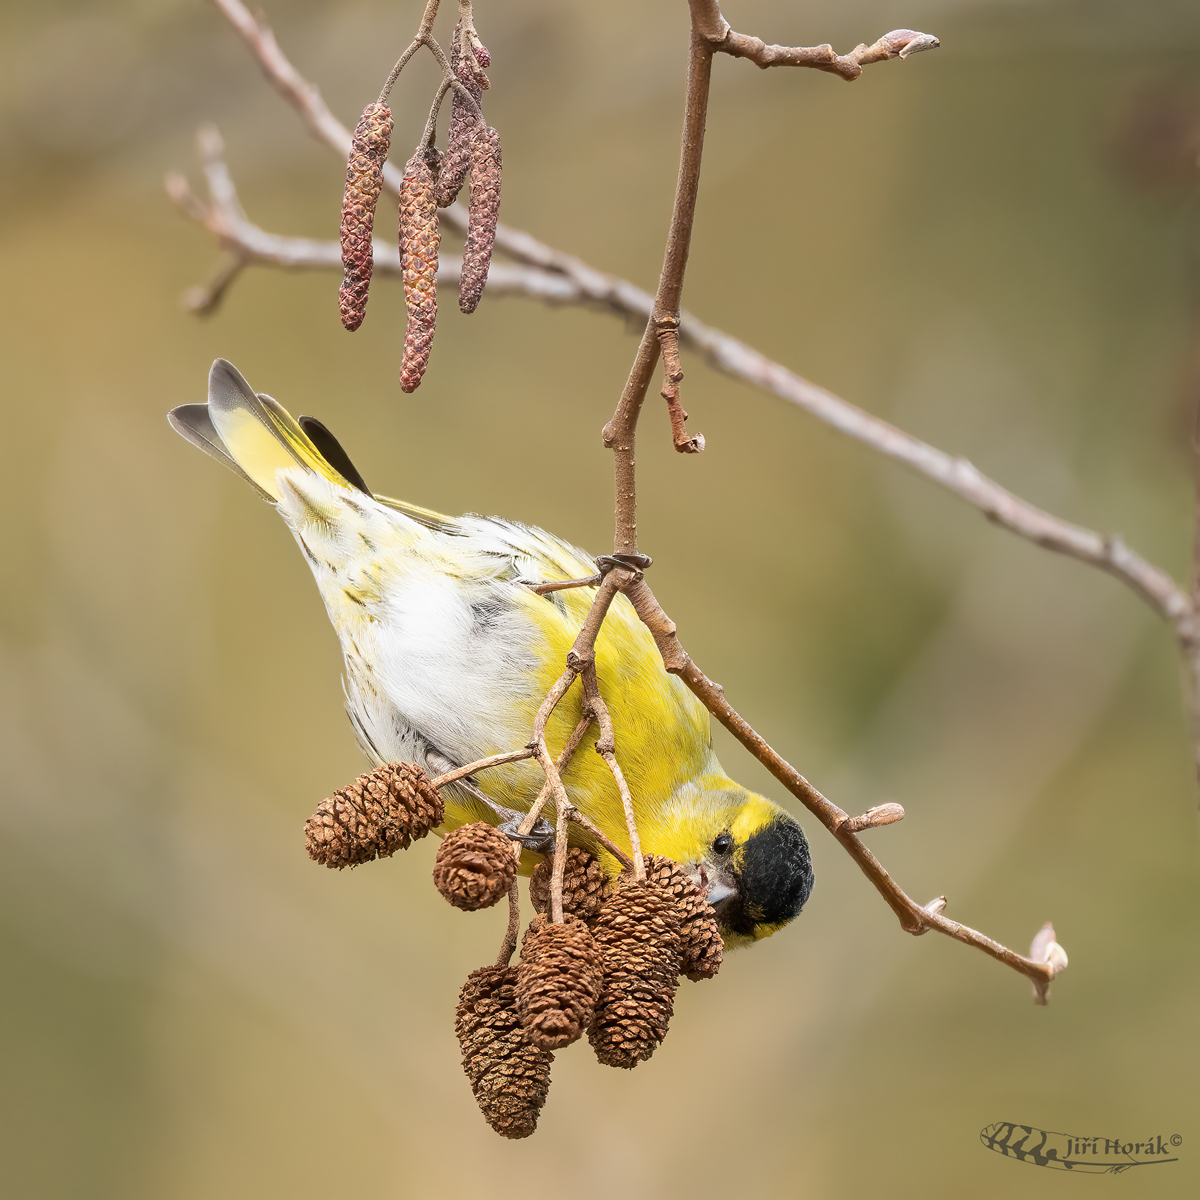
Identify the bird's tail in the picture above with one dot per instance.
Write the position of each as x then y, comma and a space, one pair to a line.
255, 437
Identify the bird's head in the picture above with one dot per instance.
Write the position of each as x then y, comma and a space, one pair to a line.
753, 863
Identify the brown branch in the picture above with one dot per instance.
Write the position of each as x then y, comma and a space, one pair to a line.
913, 917
668, 341
620, 433
559, 863
1106, 552
493, 760
561, 585
565, 756
514, 922
606, 748
564, 279
900, 43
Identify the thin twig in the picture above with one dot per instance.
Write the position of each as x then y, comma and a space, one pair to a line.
493, 760
912, 916
559, 864
419, 39
606, 748
561, 585
514, 924
712, 26
564, 757
598, 834
620, 434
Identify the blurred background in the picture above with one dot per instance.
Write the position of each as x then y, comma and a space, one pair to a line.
993, 245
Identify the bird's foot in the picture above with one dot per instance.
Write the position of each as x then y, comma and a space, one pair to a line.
540, 838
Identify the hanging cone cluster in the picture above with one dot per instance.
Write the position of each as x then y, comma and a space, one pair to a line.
419, 238
558, 981
638, 935
509, 1075
430, 180
379, 813
364, 182
585, 885
475, 866
701, 945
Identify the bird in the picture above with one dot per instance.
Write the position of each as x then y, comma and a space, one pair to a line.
449, 653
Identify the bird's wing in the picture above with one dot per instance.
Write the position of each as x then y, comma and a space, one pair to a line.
448, 652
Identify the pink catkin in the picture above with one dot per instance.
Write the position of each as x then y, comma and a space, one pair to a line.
419, 237
484, 212
364, 181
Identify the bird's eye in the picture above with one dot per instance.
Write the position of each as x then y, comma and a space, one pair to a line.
722, 843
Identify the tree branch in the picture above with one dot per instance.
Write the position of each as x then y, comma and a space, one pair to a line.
914, 918
581, 284
565, 279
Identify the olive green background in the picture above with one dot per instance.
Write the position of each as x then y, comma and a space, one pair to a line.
993, 245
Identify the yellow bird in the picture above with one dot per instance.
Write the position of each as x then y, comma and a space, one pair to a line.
449, 654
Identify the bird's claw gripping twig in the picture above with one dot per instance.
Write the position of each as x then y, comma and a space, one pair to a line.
539, 839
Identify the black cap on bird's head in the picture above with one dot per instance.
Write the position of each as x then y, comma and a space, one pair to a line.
758, 872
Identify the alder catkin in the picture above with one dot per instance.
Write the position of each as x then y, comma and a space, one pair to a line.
457, 159
379, 813
558, 981
419, 236
364, 181
475, 866
509, 1075
585, 886
483, 214
701, 945
637, 932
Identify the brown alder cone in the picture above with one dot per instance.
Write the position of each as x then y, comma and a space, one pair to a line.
558, 981
419, 236
379, 813
702, 946
475, 866
482, 215
509, 1075
585, 886
364, 181
638, 935
457, 159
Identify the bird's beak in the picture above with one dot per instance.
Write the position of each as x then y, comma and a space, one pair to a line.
713, 883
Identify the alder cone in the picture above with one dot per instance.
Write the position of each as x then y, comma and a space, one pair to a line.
419, 237
638, 935
364, 181
483, 213
702, 947
475, 866
558, 981
509, 1075
457, 159
379, 813
585, 885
